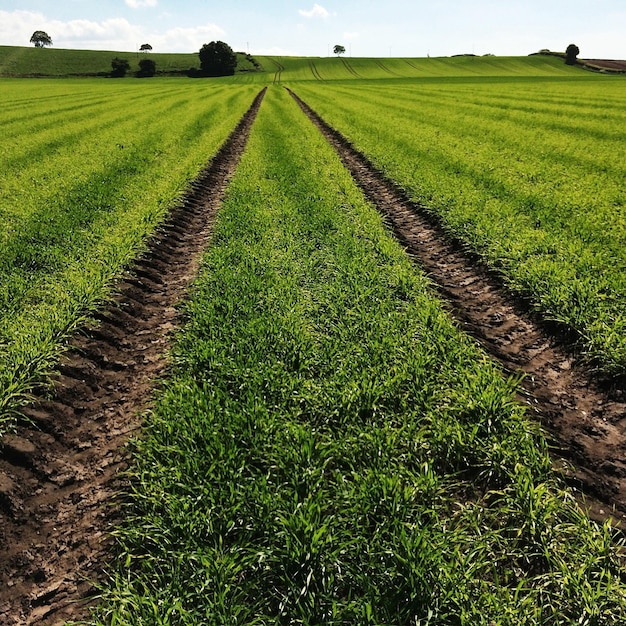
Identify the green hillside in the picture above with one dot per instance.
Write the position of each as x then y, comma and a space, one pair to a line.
16, 61
332, 68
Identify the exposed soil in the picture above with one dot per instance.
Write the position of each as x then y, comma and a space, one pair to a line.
59, 474
583, 414
606, 64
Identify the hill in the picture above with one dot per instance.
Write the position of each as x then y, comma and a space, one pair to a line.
18, 61
332, 68
22, 61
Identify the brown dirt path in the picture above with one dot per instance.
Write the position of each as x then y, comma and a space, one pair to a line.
585, 415
59, 475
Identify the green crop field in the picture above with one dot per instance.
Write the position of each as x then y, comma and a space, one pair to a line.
328, 447
89, 168
529, 173
310, 457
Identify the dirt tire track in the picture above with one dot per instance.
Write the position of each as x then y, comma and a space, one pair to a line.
350, 69
59, 475
584, 414
315, 71
278, 73
384, 68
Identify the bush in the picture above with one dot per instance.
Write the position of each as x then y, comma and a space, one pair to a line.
119, 67
147, 67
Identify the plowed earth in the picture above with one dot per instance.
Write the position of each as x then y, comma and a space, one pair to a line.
607, 64
58, 474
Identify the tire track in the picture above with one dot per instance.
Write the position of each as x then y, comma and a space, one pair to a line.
350, 69
59, 474
315, 71
278, 72
584, 415
384, 68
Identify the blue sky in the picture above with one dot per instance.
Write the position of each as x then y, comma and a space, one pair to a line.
379, 28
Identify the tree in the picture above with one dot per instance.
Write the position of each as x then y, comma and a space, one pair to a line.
217, 59
147, 67
571, 53
145, 47
41, 39
119, 67
339, 50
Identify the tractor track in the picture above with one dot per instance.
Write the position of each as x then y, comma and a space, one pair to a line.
61, 470
384, 68
315, 71
279, 71
583, 413
350, 69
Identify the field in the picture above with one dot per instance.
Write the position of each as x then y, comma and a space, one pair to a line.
328, 446
87, 176
531, 178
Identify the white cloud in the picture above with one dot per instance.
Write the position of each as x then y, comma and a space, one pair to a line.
185, 39
274, 51
351, 36
17, 27
316, 11
117, 34
140, 4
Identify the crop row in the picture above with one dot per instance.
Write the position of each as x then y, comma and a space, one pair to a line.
329, 448
529, 174
89, 170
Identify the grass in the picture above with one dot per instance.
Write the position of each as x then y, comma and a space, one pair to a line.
329, 448
90, 169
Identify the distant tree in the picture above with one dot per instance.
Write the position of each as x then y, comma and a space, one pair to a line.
119, 67
339, 50
145, 47
571, 53
147, 67
217, 59
41, 39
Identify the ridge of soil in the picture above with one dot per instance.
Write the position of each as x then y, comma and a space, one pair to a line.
62, 469
584, 414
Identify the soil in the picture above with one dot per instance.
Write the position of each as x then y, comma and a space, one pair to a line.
61, 471
606, 64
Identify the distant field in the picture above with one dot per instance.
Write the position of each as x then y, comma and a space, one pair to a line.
21, 61
285, 69
18, 61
